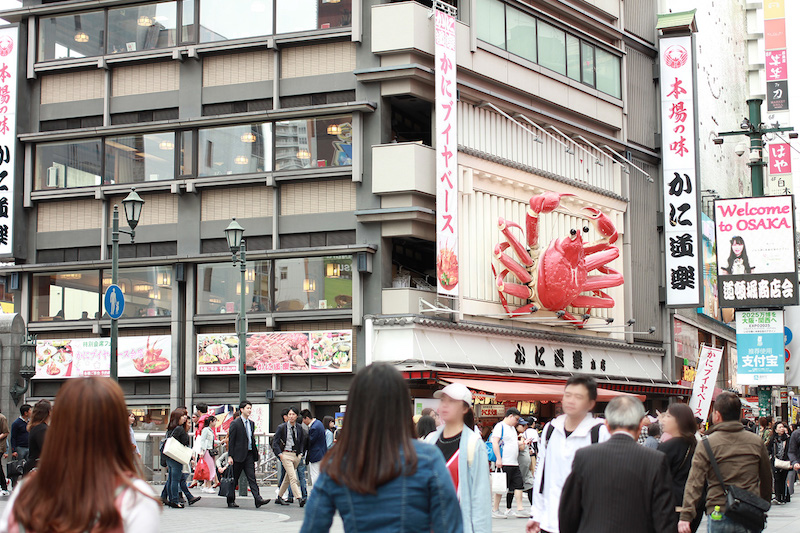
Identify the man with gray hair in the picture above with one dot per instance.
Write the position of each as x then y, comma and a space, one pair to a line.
618, 485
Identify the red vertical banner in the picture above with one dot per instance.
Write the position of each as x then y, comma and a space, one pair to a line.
779, 181
446, 152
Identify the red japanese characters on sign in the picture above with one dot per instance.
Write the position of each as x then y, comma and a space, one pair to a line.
446, 154
8, 127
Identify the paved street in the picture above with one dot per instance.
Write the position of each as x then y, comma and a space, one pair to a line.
212, 510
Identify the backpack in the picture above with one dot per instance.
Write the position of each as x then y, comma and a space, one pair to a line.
594, 434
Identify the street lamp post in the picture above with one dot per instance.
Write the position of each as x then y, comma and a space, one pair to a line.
233, 234
132, 204
27, 368
755, 131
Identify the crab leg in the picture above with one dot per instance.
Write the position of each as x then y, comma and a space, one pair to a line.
525, 309
596, 260
518, 270
610, 278
519, 249
605, 227
601, 300
513, 289
543, 203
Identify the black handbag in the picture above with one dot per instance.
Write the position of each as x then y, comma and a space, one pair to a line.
227, 486
741, 506
15, 468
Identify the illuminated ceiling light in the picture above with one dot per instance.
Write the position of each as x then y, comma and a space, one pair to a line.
144, 287
334, 129
81, 37
74, 275
144, 20
331, 1
249, 137
309, 285
303, 154
166, 145
250, 275
333, 270
164, 279
241, 160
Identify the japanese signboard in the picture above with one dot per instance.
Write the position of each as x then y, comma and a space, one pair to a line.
777, 75
791, 334
137, 356
756, 258
759, 339
778, 95
705, 381
278, 352
8, 134
682, 224
711, 307
446, 152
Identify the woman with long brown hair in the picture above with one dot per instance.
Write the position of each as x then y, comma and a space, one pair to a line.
37, 429
378, 474
176, 481
680, 423
86, 479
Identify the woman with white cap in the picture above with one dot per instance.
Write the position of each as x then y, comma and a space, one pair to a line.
465, 455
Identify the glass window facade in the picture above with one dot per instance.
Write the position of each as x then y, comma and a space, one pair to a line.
66, 296
148, 290
80, 35
240, 149
305, 15
219, 288
314, 283
138, 158
69, 164
143, 27
551, 47
313, 143
222, 20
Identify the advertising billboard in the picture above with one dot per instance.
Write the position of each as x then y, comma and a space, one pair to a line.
9, 50
756, 255
711, 307
760, 345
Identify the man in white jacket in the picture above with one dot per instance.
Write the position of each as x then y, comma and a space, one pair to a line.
561, 438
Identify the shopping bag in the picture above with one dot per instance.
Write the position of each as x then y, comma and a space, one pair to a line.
227, 486
201, 472
499, 482
177, 451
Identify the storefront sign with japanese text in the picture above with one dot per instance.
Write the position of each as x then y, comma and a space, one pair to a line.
756, 257
760, 342
8, 135
137, 356
705, 381
446, 151
278, 352
776, 72
682, 216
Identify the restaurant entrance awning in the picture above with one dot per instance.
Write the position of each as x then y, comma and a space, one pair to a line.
529, 391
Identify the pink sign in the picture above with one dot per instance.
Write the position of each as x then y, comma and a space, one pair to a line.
776, 65
780, 158
71, 358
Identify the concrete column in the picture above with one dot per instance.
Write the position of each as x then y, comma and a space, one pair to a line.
12, 333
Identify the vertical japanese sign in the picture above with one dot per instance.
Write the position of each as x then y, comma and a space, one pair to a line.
705, 380
8, 134
756, 257
446, 152
760, 342
791, 340
682, 224
777, 73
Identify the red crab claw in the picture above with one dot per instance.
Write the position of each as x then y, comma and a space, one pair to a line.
603, 224
542, 203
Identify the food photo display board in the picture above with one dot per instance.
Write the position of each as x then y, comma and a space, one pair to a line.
72, 358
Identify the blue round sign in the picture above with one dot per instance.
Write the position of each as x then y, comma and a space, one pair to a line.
114, 302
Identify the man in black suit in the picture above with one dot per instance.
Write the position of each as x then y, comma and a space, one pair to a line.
618, 485
243, 453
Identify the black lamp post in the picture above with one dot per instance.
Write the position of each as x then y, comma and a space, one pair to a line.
27, 367
233, 234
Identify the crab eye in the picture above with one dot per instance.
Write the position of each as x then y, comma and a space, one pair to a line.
586, 229
573, 232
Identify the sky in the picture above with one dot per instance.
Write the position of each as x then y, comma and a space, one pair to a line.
9, 4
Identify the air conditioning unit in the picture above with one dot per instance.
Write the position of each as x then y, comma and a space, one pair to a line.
53, 178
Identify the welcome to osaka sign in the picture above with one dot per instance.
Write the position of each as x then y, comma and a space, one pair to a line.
756, 254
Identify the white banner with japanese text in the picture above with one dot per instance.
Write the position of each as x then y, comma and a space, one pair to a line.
705, 380
681, 211
446, 154
9, 42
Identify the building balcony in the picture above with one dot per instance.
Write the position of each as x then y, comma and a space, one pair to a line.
401, 27
405, 301
403, 168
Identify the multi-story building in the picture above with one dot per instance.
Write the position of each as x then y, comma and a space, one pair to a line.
311, 122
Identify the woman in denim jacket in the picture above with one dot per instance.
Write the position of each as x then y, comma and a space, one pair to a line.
378, 477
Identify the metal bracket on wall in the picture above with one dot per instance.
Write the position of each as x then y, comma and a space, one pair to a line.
436, 307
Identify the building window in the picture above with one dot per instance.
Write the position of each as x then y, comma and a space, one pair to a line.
138, 158
188, 27
222, 20
314, 283
521, 34
68, 164
142, 27
66, 296
492, 26
187, 153
219, 288
313, 143
71, 36
305, 15
148, 290
230, 150
549, 46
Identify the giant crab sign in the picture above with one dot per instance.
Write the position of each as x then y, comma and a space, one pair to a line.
557, 277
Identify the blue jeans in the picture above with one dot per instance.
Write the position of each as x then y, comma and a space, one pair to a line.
176, 481
726, 525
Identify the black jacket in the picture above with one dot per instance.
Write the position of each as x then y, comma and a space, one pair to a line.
616, 486
679, 460
36, 443
794, 447
237, 440
773, 446
279, 440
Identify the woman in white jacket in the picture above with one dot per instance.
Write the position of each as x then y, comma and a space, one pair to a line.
206, 445
465, 455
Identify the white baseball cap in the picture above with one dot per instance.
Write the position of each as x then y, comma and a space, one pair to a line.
456, 391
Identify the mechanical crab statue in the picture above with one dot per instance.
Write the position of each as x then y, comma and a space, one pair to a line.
556, 277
